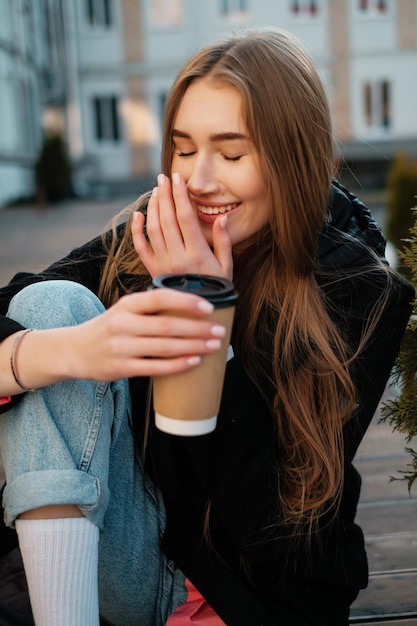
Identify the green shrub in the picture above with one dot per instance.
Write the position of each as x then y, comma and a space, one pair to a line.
53, 170
401, 197
401, 412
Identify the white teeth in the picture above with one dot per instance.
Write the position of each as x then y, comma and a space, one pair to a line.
214, 210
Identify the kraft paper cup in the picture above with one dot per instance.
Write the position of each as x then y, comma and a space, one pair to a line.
188, 403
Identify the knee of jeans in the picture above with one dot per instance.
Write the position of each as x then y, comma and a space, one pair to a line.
54, 303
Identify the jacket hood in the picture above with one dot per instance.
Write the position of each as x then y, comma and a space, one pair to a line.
350, 233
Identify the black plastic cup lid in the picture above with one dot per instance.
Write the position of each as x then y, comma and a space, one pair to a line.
219, 291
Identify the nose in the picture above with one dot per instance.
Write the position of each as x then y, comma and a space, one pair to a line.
202, 179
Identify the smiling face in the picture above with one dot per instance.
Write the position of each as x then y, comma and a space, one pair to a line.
218, 161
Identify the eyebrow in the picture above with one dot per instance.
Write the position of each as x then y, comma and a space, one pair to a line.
230, 136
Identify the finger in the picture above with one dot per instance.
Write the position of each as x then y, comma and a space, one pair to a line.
140, 242
168, 215
172, 326
161, 367
166, 347
186, 216
159, 300
153, 224
222, 246
149, 356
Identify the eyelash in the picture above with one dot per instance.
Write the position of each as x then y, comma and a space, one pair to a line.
188, 154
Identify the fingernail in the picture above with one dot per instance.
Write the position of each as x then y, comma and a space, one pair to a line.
218, 331
161, 179
223, 222
194, 360
213, 344
205, 306
176, 178
154, 192
135, 216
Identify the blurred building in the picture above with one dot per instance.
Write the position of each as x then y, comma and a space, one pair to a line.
23, 62
112, 62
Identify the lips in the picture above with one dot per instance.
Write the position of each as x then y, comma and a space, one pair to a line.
216, 210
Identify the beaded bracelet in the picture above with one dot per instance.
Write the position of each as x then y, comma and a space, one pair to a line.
13, 358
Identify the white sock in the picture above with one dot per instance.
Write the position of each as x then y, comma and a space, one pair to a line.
60, 557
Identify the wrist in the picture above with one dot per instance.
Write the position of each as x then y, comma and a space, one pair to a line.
14, 359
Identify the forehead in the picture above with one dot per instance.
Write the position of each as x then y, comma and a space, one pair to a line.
211, 103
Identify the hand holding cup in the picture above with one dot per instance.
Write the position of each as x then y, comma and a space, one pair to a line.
187, 403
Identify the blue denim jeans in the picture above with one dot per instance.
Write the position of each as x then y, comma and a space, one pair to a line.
72, 443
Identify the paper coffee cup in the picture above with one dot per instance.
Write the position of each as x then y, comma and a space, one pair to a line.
187, 403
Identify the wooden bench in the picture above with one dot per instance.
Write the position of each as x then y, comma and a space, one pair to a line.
393, 619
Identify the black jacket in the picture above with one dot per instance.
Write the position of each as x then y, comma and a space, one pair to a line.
273, 581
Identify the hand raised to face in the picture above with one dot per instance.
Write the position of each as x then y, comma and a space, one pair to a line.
176, 242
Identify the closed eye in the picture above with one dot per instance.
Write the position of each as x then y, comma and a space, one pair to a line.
235, 158
185, 154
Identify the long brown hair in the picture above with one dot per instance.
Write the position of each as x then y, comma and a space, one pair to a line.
289, 344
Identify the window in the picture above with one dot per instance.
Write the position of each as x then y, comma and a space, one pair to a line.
106, 118
99, 13
377, 104
231, 8
373, 7
304, 7
166, 12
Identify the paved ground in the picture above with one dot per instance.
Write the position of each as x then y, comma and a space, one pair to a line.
30, 239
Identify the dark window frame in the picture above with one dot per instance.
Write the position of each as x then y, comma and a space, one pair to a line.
107, 127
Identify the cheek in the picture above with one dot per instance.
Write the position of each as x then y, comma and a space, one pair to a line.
174, 165
251, 183
181, 166
259, 213
254, 189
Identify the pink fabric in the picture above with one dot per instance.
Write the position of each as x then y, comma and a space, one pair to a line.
5, 399
195, 610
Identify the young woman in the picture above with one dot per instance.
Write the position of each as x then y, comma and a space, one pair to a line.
256, 519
